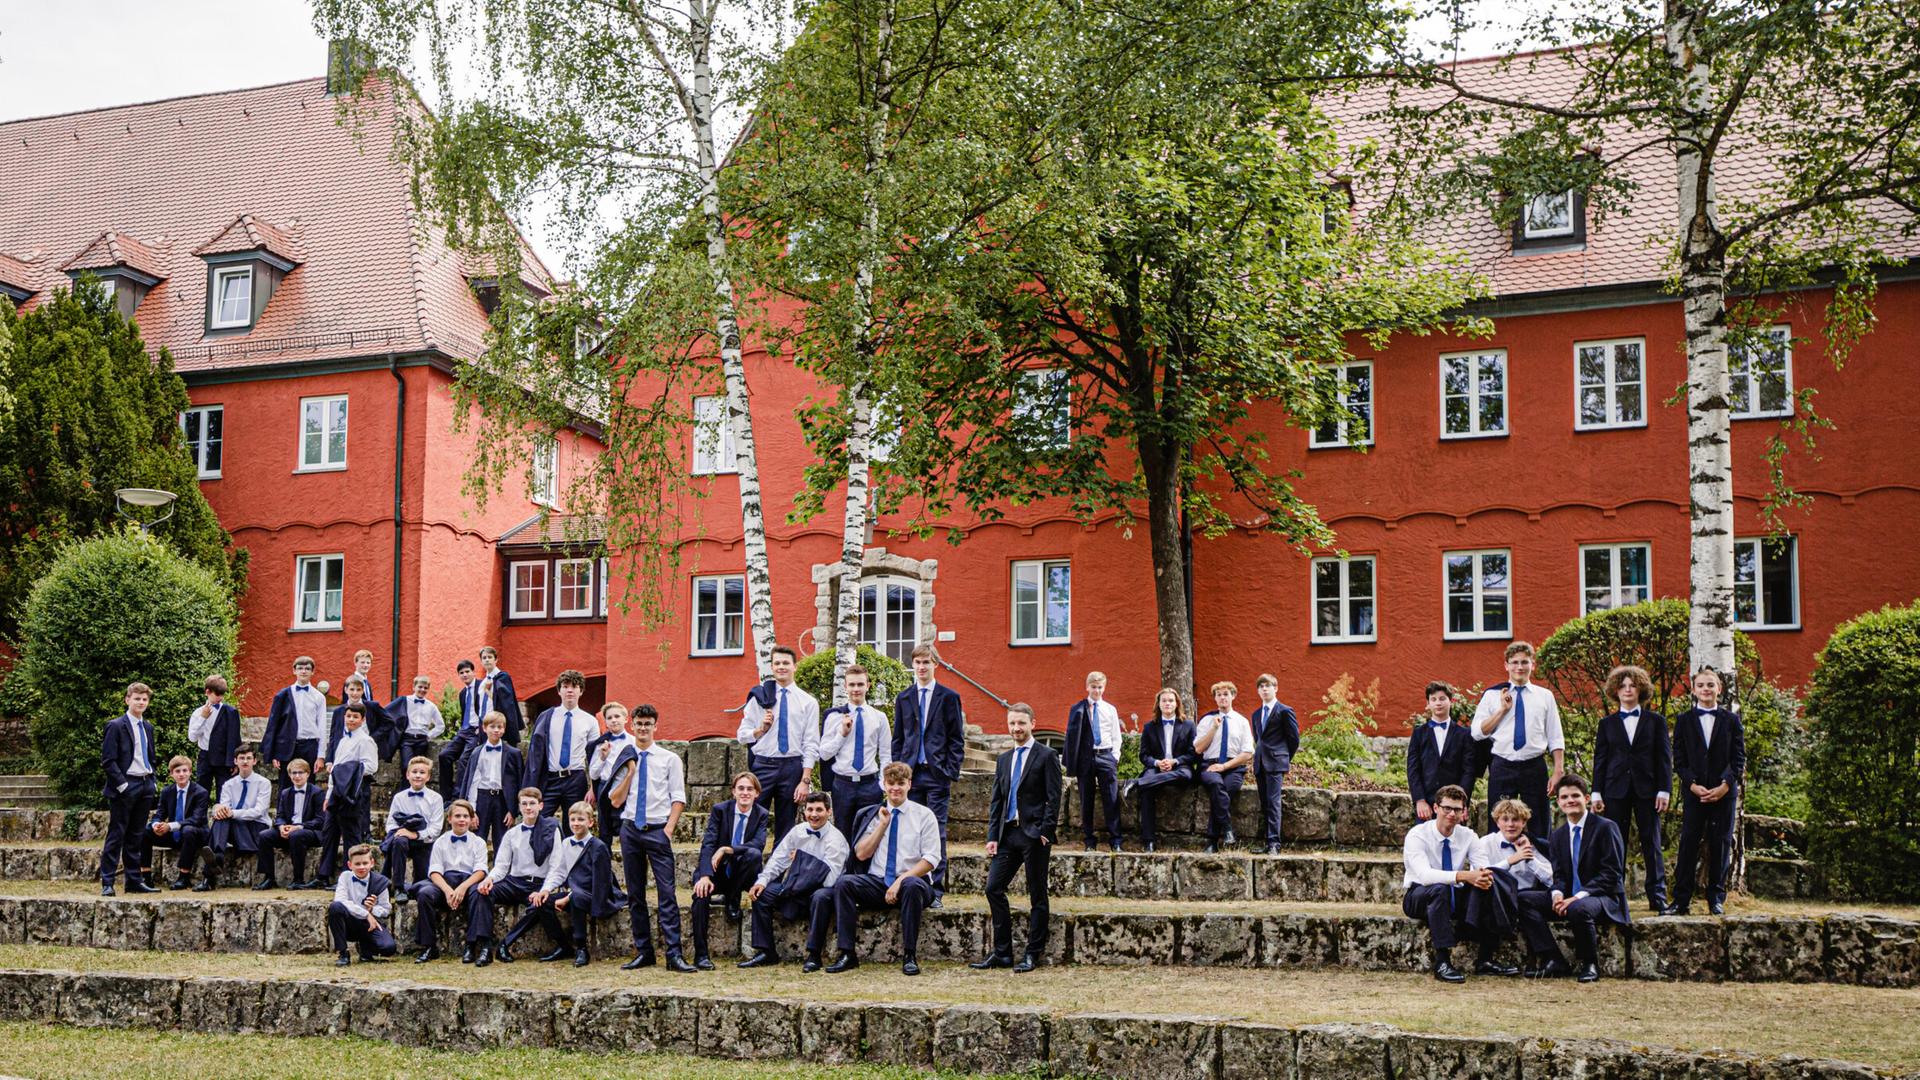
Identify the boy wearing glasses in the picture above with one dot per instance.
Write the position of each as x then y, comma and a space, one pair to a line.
1436, 877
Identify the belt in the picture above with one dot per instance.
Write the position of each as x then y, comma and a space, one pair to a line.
566, 772
494, 791
858, 777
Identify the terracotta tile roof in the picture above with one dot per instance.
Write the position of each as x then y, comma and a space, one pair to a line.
558, 530
18, 275
111, 249
281, 166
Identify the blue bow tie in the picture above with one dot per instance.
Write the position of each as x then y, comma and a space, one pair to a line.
576, 843
420, 701
458, 838
421, 794
298, 689
1438, 723
1506, 845
1631, 712
494, 749
526, 828
813, 832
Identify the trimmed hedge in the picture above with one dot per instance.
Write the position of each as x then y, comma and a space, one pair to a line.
887, 676
1864, 775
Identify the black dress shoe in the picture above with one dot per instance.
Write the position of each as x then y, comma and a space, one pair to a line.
991, 961
140, 887
427, 955
466, 957
1716, 907
1674, 909
265, 884
343, 960
640, 960
910, 966
677, 964
560, 952
763, 958
703, 962
1257, 849
483, 957
1587, 973
316, 883
846, 962
1553, 969
733, 911
1212, 848
107, 889
1447, 973
580, 958
1027, 963
810, 965
1494, 967
504, 953
935, 904
180, 883
298, 886
204, 885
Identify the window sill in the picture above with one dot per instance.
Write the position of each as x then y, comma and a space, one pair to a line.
214, 326
1471, 436
1582, 428
1782, 415
1498, 635
699, 655
320, 468
333, 629
1346, 640
714, 472
1760, 628
1340, 445
208, 476
1038, 644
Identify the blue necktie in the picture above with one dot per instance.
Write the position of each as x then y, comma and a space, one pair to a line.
140, 745
1013, 788
566, 741
859, 740
783, 719
1576, 860
640, 788
1259, 721
243, 793
1222, 736
893, 847
739, 828
1446, 863
1519, 718
921, 759
179, 807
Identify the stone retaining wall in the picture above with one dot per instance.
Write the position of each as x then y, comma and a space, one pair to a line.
961, 1038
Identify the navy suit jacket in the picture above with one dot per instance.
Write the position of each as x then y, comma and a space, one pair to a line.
1707, 764
1037, 798
1603, 864
505, 701
590, 882
719, 834
163, 805
224, 738
1641, 768
1181, 752
1429, 770
283, 726
512, 774
862, 821
375, 727
946, 729
116, 753
1275, 738
315, 813
539, 745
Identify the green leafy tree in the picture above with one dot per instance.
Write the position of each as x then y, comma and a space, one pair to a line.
886, 677
91, 412
119, 608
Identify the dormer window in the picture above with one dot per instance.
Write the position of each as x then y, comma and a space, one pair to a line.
16, 280
246, 262
232, 297
105, 289
1554, 221
124, 268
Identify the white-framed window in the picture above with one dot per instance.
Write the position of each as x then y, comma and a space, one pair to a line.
544, 473
883, 432
232, 297
1356, 393
323, 433
1610, 384
1479, 588
1766, 583
527, 589
1760, 375
573, 588
1042, 602
1548, 216
105, 288
1473, 394
318, 590
890, 616
720, 615
203, 426
1043, 408
712, 438
1615, 576
1343, 599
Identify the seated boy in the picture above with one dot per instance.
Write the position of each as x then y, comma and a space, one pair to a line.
519, 868
1518, 897
179, 822
458, 863
414, 820
797, 883
1589, 875
901, 846
360, 901
731, 853
1436, 857
579, 882
298, 825
243, 813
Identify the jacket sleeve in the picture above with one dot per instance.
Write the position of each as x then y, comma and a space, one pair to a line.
1290, 730
1183, 751
1603, 751
709, 843
276, 721
1076, 728
1736, 753
1050, 815
1683, 763
110, 755
1419, 746
956, 749
756, 838
997, 802
1662, 753
1608, 880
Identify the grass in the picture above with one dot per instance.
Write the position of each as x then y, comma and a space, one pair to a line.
1877, 1026
26, 1050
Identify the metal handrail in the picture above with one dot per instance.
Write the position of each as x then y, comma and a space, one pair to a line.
975, 683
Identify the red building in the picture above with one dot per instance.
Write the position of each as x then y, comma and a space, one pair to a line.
269, 243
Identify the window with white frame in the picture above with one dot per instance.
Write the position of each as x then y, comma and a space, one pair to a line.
318, 589
1615, 576
1042, 602
203, 426
545, 470
1479, 588
890, 616
883, 432
1548, 216
1610, 384
573, 589
1766, 583
1356, 396
232, 297
1343, 599
719, 615
527, 589
1760, 375
1473, 394
1043, 408
323, 432
105, 288
712, 438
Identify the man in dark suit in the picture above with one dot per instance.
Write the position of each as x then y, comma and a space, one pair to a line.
1093, 758
930, 734
296, 721
126, 756
1710, 756
1589, 874
1166, 757
1276, 735
500, 685
1021, 820
179, 822
732, 851
1440, 752
215, 729
465, 735
1633, 771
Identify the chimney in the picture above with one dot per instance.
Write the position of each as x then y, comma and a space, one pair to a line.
348, 61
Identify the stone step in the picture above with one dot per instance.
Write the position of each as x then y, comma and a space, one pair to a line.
16, 801
955, 1038
1841, 947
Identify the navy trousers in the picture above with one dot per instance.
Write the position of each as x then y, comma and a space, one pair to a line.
855, 893
643, 851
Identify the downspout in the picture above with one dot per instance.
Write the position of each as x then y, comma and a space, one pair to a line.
399, 490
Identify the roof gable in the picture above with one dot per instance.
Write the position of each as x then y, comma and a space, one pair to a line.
249, 233
112, 250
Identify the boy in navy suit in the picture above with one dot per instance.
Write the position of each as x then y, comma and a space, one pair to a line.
557, 753
1022, 815
730, 858
372, 722
466, 735
298, 826
215, 728
416, 721
296, 722
1093, 758
797, 883
601, 755
780, 726
497, 687
179, 822
579, 882
1440, 752
360, 900
930, 736
1166, 757
858, 742
1589, 875
126, 756
1276, 735
349, 786
1633, 771
1710, 756
489, 777
243, 812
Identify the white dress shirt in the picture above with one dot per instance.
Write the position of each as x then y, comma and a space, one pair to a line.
301, 817
1239, 737
200, 726
256, 806
515, 857
1106, 725
1493, 851
875, 753
354, 745
1423, 856
1706, 718
141, 763
309, 713
1440, 733
1585, 834
919, 833
585, 730
827, 845
426, 802
803, 727
666, 785
566, 852
1543, 723
1630, 720
352, 891
486, 769
423, 718
600, 769
465, 853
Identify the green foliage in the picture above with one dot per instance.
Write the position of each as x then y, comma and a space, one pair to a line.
1864, 766
449, 705
1336, 743
1130, 767
886, 677
112, 610
91, 412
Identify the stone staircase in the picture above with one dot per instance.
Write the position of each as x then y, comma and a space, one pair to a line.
27, 792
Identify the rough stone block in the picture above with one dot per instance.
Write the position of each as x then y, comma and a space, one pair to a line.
181, 926
1774, 833
1363, 881
1691, 948
830, 1032
1453, 1057
25, 864
301, 1008
1078, 873
1290, 877
948, 934
900, 1033
293, 928
237, 926
1306, 816
1873, 951
1244, 813
1256, 1052
1774, 879
1600, 1059
1107, 1044
73, 864
13, 921
60, 921
121, 1001
969, 797
49, 824
1298, 940
433, 1019
1212, 877
1143, 877
1371, 818
30, 995
991, 1039
16, 824
967, 872
1381, 943
747, 1028
1342, 1051
1794, 1067
123, 925
1763, 948
1109, 938
220, 1005
595, 1021
92, 826
497, 1018
668, 1022
1221, 940
708, 762
378, 1014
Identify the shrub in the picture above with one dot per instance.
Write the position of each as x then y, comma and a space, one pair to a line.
887, 675
1130, 767
1864, 765
1337, 743
109, 611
